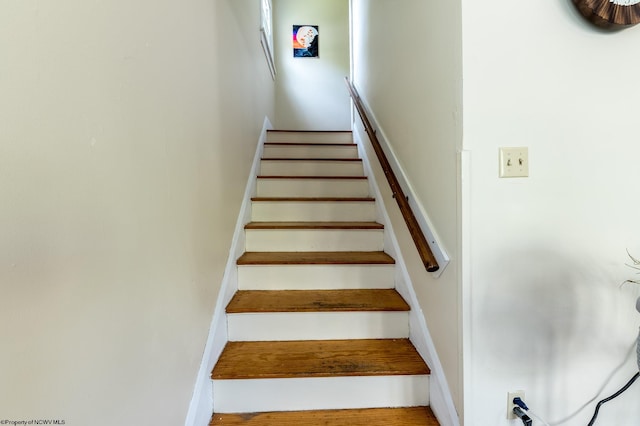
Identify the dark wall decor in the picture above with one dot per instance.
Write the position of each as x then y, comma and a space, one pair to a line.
305, 41
610, 14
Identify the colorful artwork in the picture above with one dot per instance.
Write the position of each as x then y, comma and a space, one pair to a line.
305, 41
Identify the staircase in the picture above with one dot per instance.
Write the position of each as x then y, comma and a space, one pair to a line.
317, 333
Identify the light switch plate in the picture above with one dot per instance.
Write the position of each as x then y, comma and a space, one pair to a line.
514, 162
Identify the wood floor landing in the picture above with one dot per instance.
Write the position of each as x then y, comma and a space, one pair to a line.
350, 160
318, 358
246, 301
315, 199
316, 258
309, 144
289, 177
412, 416
313, 225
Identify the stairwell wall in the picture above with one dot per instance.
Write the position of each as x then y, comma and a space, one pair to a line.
310, 92
407, 67
127, 134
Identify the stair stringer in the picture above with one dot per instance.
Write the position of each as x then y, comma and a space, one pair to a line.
441, 401
201, 405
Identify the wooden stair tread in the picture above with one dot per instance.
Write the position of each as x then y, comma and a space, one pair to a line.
306, 131
318, 358
316, 258
314, 199
361, 300
314, 225
311, 159
311, 177
410, 416
350, 145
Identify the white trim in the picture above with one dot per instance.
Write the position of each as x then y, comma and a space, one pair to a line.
268, 53
314, 239
266, 34
315, 277
201, 405
314, 211
287, 326
464, 272
320, 393
441, 401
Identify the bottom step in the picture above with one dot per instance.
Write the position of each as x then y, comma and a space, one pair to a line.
414, 416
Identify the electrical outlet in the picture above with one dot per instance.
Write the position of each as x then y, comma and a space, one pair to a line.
514, 162
510, 404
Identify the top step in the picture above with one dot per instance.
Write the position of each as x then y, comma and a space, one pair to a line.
315, 137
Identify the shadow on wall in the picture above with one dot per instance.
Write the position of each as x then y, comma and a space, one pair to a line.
540, 308
552, 323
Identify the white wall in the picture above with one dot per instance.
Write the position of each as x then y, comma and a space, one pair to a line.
310, 92
127, 132
546, 310
407, 67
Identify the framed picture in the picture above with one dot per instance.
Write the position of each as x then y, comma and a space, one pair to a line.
305, 41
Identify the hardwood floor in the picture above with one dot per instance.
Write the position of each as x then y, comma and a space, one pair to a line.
413, 416
313, 199
316, 301
315, 258
313, 225
318, 358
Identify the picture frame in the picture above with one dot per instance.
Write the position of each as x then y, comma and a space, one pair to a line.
306, 41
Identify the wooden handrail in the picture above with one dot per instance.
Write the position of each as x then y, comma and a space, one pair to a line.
428, 259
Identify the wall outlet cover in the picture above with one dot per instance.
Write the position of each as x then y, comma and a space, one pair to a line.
511, 405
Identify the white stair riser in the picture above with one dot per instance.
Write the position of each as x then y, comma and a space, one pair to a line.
310, 168
281, 326
310, 151
314, 239
315, 277
310, 137
326, 393
307, 211
312, 187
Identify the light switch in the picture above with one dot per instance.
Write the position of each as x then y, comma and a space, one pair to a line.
514, 162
